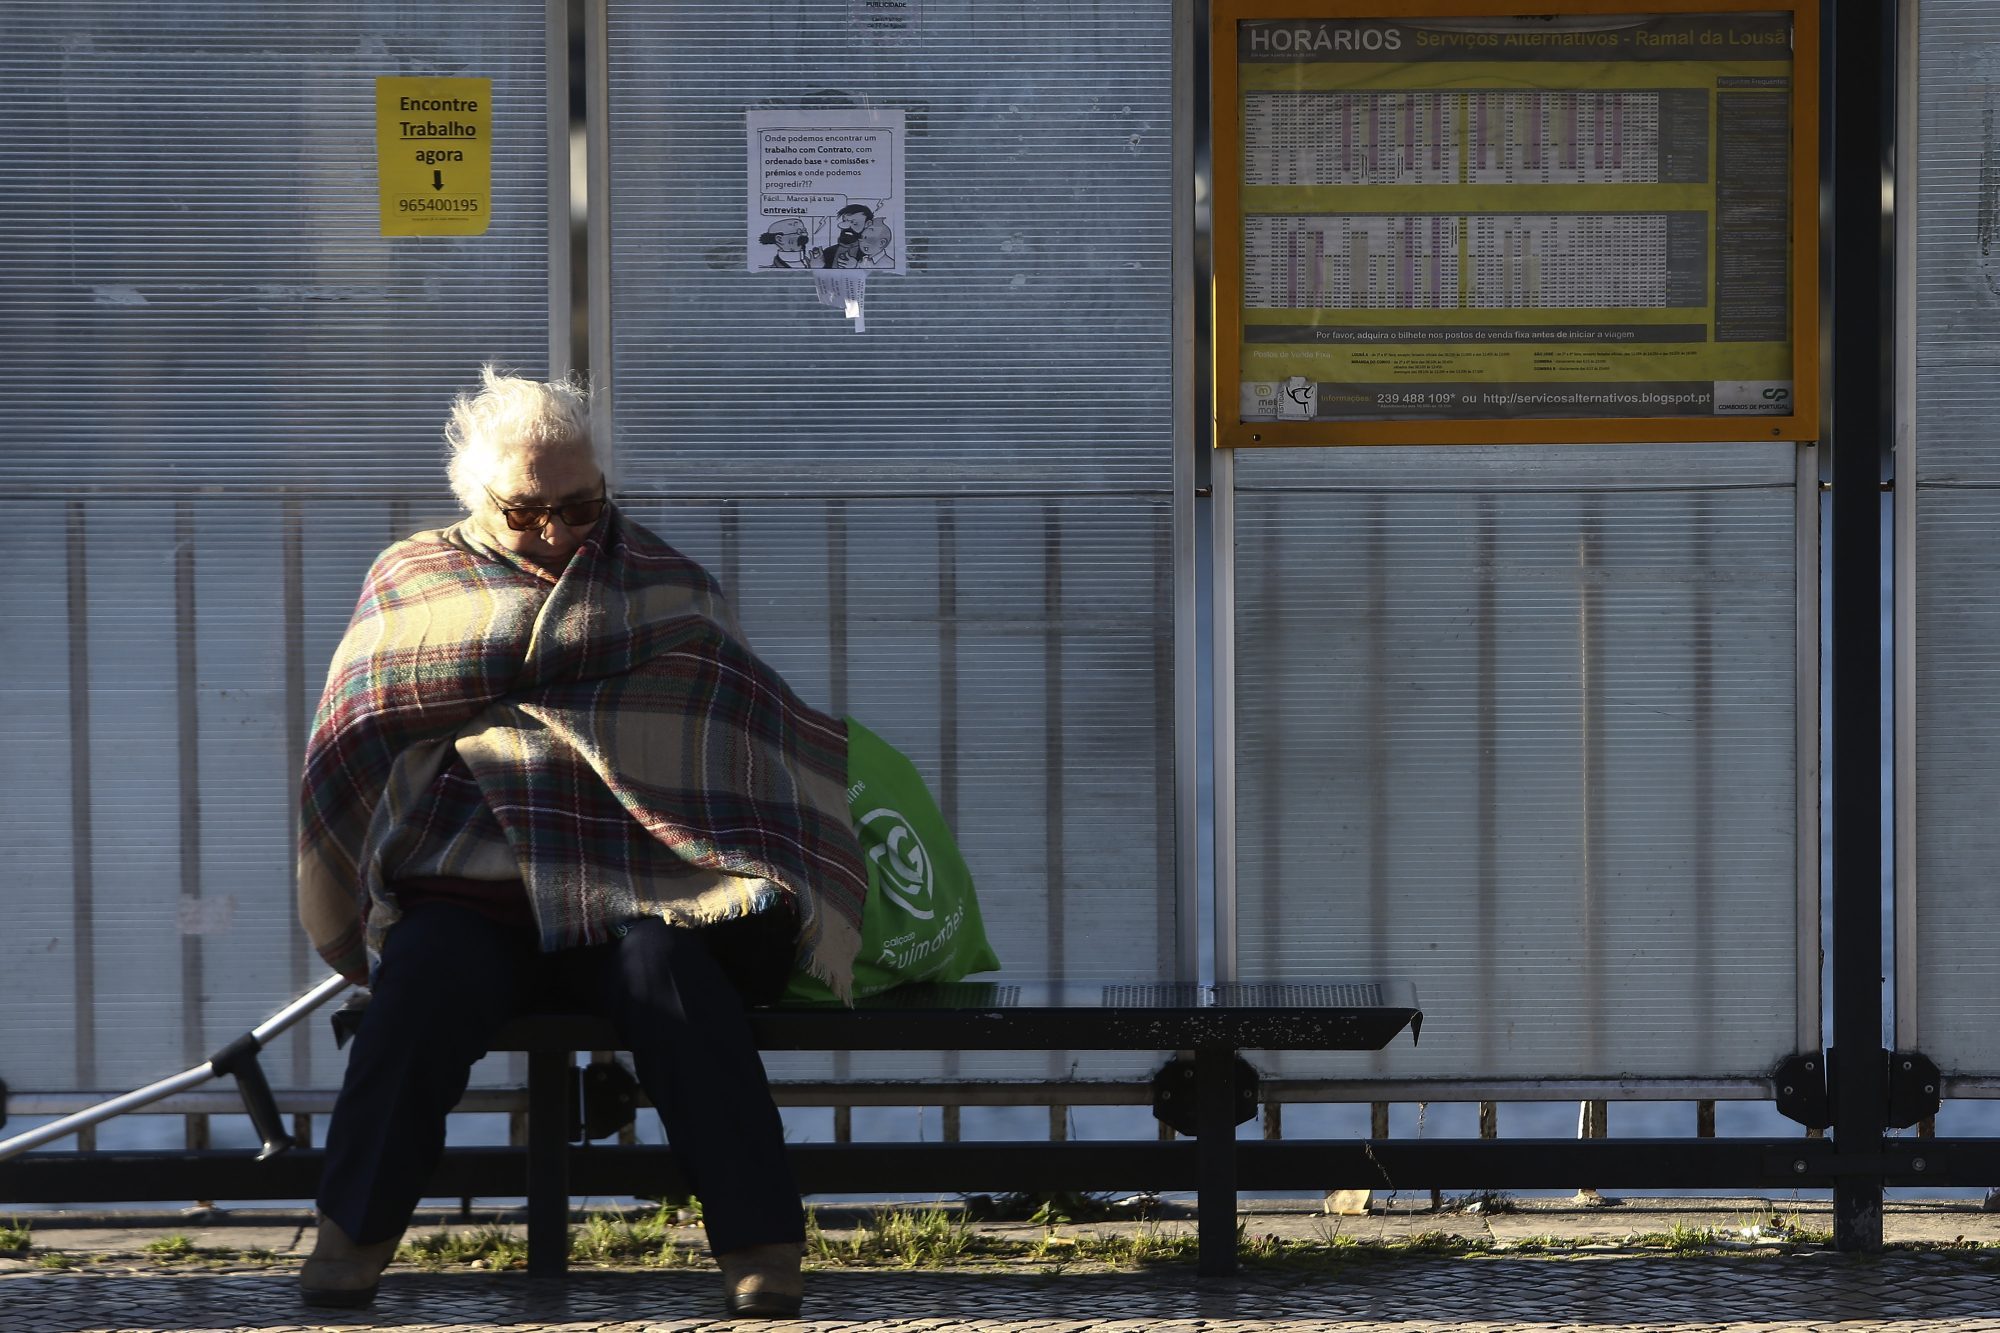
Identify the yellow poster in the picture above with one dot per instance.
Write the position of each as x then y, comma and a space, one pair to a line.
434, 155
1454, 220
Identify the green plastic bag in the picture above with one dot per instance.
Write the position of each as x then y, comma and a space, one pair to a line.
921, 920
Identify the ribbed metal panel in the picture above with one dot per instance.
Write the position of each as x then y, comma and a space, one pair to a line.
984, 573
1957, 573
224, 393
1028, 346
197, 293
1519, 726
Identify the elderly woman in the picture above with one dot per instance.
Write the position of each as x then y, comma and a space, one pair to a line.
547, 773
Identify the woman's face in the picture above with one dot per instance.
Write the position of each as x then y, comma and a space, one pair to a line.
560, 475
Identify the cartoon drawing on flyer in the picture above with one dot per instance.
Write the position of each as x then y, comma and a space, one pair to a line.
863, 241
788, 242
825, 191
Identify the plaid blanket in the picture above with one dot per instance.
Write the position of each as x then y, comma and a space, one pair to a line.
620, 733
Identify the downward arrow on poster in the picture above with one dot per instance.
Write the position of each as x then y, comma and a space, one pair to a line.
437, 180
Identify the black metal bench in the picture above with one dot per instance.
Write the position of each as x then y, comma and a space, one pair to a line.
1204, 1093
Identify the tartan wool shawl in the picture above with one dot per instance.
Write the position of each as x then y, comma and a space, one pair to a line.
638, 757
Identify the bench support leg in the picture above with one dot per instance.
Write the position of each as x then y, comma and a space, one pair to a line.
1215, 1172
549, 1073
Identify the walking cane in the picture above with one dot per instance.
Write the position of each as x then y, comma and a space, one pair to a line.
239, 1058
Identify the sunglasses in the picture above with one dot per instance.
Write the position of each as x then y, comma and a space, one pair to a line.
532, 518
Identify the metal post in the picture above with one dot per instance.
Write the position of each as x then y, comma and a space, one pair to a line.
562, 351
1055, 767
297, 704
1486, 764
597, 224
836, 692
548, 1162
1215, 1172
188, 737
1590, 768
1903, 530
1701, 670
1863, 121
1373, 544
948, 756
1190, 463
83, 900
1222, 720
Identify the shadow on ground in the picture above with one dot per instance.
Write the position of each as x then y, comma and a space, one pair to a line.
1929, 1290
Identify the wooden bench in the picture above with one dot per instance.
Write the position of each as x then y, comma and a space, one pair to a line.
1205, 1092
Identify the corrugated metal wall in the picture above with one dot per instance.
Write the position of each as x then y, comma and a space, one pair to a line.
1520, 725
224, 390
1957, 511
955, 526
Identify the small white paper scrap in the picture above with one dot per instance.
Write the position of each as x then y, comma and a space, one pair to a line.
846, 290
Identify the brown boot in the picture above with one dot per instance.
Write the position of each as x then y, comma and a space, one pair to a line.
341, 1273
763, 1281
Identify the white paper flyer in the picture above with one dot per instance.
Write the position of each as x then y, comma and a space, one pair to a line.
826, 191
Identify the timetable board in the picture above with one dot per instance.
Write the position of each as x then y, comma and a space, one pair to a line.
1467, 227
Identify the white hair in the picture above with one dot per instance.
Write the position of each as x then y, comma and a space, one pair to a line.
512, 413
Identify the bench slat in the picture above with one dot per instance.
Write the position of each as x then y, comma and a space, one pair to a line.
1005, 1016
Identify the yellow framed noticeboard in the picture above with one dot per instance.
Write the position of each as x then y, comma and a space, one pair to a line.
1440, 222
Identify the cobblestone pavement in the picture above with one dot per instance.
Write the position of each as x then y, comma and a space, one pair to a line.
1926, 1291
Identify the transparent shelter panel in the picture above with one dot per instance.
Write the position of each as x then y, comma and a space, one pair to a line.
1957, 501
219, 414
1048, 673
158, 332
1958, 735
1957, 268
202, 630
1006, 622
1027, 347
1529, 743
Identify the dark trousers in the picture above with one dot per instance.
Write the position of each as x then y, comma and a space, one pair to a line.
450, 976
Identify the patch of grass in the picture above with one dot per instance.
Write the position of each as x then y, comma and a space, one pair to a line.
897, 1238
1540, 1245
1443, 1242
1264, 1249
16, 1235
1676, 1239
903, 1238
486, 1247
1148, 1245
1338, 1250
57, 1261
1683, 1239
672, 1203
607, 1239
173, 1246
1794, 1229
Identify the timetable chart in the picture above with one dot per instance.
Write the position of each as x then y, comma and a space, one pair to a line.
1321, 261
1351, 138
1432, 226
1563, 138
1585, 261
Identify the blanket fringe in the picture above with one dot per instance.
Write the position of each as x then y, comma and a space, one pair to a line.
828, 942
